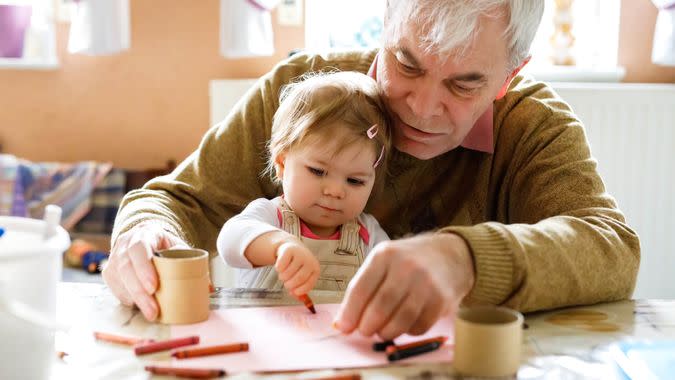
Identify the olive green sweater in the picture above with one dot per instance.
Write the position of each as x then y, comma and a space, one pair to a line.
543, 231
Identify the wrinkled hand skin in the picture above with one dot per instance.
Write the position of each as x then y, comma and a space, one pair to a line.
129, 272
406, 285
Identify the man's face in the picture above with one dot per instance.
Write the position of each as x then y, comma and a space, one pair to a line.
435, 102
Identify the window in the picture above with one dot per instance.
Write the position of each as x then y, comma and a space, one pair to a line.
595, 26
27, 34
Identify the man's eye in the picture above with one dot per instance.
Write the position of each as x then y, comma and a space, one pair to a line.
355, 181
315, 171
463, 90
407, 68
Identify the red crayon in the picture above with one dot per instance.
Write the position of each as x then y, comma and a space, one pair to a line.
211, 350
164, 345
393, 348
308, 303
193, 373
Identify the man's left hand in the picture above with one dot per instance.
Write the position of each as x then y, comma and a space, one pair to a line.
406, 285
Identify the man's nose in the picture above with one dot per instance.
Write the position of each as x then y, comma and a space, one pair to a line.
333, 188
425, 102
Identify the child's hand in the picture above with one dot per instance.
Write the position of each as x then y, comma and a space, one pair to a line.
297, 267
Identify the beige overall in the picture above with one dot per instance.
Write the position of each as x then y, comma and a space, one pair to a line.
339, 259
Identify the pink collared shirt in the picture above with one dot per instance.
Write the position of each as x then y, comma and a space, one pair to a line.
479, 138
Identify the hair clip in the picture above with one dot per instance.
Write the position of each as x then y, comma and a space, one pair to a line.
379, 158
372, 131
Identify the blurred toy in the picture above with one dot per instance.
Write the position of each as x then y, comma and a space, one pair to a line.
82, 254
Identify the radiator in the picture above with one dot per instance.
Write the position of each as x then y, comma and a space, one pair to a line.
631, 130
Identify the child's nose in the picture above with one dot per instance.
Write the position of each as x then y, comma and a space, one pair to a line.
333, 188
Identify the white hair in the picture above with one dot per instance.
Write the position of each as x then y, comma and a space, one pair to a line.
449, 26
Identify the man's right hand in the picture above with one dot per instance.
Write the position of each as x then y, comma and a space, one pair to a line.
129, 272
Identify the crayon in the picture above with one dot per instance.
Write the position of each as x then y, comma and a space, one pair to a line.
211, 350
354, 376
164, 345
382, 346
193, 373
413, 351
439, 339
308, 303
120, 339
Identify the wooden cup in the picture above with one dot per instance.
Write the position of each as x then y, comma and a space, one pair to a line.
183, 292
488, 341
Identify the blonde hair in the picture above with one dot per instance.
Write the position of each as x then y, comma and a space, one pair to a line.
450, 26
319, 101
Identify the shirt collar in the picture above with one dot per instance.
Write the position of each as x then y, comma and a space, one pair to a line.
479, 138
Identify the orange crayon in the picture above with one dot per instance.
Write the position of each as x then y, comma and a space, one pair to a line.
193, 373
211, 350
393, 348
120, 339
308, 303
164, 345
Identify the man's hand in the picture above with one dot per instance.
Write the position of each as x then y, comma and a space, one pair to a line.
405, 286
297, 267
130, 274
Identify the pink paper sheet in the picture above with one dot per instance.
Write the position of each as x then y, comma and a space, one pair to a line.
290, 337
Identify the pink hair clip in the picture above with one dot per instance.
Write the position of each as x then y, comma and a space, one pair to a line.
379, 158
372, 131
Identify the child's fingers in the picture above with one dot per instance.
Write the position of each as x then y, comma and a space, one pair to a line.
283, 261
301, 276
290, 270
308, 285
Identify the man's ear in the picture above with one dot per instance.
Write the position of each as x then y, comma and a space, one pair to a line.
507, 82
279, 165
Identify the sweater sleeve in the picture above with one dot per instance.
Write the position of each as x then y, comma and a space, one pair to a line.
558, 238
258, 218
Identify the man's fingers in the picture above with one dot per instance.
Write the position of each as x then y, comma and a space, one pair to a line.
114, 282
140, 297
407, 313
430, 314
140, 254
383, 304
360, 290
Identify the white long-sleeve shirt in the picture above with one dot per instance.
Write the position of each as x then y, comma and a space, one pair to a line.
262, 216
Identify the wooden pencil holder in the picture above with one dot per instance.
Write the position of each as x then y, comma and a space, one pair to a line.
183, 291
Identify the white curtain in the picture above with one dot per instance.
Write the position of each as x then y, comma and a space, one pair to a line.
663, 48
100, 27
246, 28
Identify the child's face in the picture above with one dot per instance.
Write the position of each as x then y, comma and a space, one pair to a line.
326, 189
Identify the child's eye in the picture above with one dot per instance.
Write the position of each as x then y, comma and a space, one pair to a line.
355, 181
315, 171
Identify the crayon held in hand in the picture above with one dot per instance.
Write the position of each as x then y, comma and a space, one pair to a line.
164, 345
193, 373
211, 350
308, 303
120, 339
